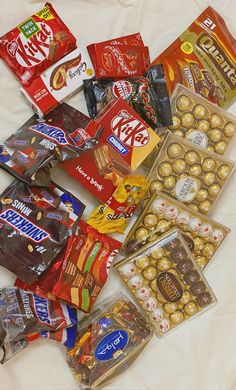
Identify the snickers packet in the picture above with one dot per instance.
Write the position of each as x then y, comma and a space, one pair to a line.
147, 95
60, 81
36, 43
120, 57
37, 144
203, 58
25, 316
125, 141
35, 223
78, 275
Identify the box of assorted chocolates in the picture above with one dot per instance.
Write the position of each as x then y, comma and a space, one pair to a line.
201, 121
169, 295
108, 342
203, 235
189, 174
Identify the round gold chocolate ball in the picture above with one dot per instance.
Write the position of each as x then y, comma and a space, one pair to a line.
198, 244
165, 169
208, 250
157, 253
223, 172
203, 125
177, 317
153, 237
164, 264
216, 121
183, 103
142, 262
153, 285
221, 147
141, 234
202, 195
199, 111
214, 189
229, 129
163, 225
201, 261
179, 166
209, 178
169, 182
191, 157
205, 206
193, 206
150, 220
185, 297
170, 307
195, 170
187, 120
155, 186
179, 133
150, 272
208, 164
176, 122
210, 148
190, 308
215, 135
174, 150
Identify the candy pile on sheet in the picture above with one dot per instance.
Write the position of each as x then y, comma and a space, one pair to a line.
141, 152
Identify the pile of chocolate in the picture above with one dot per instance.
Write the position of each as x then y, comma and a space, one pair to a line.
142, 154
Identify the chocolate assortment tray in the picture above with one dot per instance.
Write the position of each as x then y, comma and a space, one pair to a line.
189, 174
200, 121
172, 296
204, 236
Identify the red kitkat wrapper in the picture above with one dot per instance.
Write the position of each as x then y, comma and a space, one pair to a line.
36, 43
120, 57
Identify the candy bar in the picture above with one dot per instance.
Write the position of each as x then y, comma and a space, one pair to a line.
36, 44
202, 235
203, 58
108, 342
200, 121
189, 174
60, 81
166, 282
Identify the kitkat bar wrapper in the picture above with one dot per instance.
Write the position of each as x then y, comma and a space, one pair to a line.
23, 315
38, 143
203, 59
169, 295
121, 57
61, 80
35, 44
146, 94
80, 271
125, 141
35, 223
108, 342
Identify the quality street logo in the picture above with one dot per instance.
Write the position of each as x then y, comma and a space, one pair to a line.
129, 129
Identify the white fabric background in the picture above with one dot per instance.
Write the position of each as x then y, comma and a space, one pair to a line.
202, 354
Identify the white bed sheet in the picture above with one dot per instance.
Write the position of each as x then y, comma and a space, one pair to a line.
202, 354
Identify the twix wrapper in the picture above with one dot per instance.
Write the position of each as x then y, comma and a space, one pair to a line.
203, 58
36, 43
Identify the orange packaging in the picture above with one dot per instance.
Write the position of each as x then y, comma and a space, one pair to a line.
203, 58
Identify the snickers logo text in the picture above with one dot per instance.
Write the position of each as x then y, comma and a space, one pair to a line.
51, 132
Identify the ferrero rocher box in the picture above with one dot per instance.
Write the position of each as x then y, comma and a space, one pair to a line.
200, 121
169, 296
203, 235
188, 173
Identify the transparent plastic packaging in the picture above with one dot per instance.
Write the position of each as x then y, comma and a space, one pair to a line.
172, 296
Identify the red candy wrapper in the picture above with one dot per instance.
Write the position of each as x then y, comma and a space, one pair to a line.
35, 44
78, 275
120, 57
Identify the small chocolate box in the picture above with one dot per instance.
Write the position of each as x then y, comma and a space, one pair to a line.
108, 341
200, 121
189, 174
203, 235
168, 295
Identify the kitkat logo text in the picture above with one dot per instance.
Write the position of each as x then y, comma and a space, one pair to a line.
129, 129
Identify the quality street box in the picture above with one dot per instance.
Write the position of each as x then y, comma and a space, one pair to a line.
125, 141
